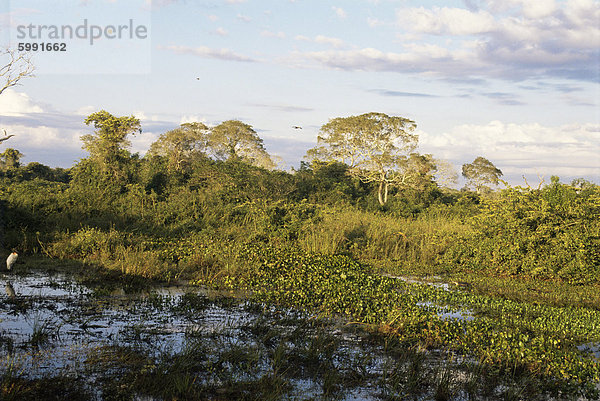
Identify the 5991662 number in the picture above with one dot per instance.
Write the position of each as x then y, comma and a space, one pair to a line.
42, 47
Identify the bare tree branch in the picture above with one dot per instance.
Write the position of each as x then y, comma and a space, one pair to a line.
18, 66
6, 136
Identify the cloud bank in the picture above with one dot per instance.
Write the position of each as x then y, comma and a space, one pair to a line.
513, 40
569, 151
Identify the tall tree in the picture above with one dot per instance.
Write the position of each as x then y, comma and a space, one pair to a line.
10, 159
180, 145
108, 146
481, 172
235, 140
445, 173
378, 148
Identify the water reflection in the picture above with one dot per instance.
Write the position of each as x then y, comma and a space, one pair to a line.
10, 290
52, 326
54, 312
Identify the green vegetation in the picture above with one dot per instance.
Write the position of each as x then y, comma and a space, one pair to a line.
329, 238
375, 147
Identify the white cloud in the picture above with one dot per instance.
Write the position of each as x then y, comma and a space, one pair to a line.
302, 38
513, 38
221, 31
243, 18
374, 22
335, 42
60, 139
86, 110
321, 39
140, 115
538, 8
339, 12
417, 58
454, 21
14, 103
191, 119
213, 18
269, 34
207, 52
568, 151
529, 8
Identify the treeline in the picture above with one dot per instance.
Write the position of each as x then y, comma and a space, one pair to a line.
199, 194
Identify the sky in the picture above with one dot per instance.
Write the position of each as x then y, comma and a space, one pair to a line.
514, 81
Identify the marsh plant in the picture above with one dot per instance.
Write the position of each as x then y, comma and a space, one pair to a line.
326, 240
43, 329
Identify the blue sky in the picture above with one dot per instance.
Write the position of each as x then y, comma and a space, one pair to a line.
515, 81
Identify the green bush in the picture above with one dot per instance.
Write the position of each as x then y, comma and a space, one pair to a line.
550, 233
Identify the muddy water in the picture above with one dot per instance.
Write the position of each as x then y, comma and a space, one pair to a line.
51, 326
54, 318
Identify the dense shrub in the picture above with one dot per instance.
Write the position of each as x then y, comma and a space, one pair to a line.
549, 233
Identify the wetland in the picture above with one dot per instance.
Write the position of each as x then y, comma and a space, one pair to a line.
64, 334
180, 275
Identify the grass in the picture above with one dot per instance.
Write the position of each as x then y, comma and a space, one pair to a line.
379, 238
42, 331
546, 292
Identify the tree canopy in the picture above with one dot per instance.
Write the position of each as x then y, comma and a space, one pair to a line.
108, 146
480, 172
378, 148
180, 145
235, 140
10, 159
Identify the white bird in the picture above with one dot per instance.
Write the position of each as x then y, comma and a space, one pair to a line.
11, 260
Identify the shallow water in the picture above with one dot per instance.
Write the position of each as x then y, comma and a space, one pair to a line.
50, 325
54, 312
445, 313
413, 280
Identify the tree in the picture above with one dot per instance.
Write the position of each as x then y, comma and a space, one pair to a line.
14, 67
421, 169
235, 140
108, 145
445, 173
378, 148
180, 145
481, 172
10, 159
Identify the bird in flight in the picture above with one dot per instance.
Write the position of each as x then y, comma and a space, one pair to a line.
296, 127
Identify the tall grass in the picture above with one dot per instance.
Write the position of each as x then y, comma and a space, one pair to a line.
392, 244
113, 249
375, 237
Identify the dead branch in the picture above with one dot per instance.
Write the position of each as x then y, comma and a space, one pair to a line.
19, 66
